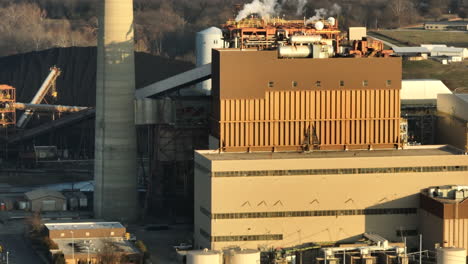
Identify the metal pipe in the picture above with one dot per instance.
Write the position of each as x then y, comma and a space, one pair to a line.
420, 248
54, 73
49, 108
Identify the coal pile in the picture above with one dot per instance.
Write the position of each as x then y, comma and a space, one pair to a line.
77, 83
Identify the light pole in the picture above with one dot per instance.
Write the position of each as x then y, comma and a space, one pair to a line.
7, 253
73, 247
87, 260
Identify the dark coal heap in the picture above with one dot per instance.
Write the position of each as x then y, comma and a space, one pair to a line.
77, 83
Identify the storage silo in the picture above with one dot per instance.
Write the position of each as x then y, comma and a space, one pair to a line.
451, 255
206, 40
204, 256
244, 256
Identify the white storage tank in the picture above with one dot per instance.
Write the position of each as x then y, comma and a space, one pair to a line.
451, 255
204, 256
206, 40
244, 256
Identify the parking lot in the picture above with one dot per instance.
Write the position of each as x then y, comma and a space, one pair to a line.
13, 241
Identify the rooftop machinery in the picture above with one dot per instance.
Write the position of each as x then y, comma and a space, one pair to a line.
275, 32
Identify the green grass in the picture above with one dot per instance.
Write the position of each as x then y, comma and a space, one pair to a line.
454, 75
417, 37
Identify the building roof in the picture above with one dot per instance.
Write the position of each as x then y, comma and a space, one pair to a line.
40, 193
432, 46
83, 225
410, 151
95, 245
447, 49
211, 31
410, 49
450, 23
422, 91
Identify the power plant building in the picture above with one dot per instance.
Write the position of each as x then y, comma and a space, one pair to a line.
285, 199
311, 150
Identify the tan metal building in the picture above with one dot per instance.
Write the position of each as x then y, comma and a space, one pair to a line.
262, 103
284, 199
444, 216
89, 242
46, 200
85, 230
452, 120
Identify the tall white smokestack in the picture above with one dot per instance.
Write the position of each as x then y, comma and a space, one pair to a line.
115, 195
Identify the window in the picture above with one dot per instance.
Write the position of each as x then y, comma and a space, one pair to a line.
294, 84
62, 234
271, 84
389, 82
87, 233
112, 233
341, 83
215, 41
365, 83
318, 84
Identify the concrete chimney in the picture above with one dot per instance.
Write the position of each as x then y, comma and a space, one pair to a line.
115, 193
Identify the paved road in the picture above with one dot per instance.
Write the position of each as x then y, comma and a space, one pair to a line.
12, 240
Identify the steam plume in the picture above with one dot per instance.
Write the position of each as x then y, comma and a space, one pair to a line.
264, 8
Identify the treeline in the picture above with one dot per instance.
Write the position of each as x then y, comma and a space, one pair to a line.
168, 27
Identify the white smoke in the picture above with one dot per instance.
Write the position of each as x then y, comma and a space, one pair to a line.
264, 8
322, 13
270, 8
335, 10
300, 7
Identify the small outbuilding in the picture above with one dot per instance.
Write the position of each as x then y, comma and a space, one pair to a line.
449, 52
42, 200
407, 52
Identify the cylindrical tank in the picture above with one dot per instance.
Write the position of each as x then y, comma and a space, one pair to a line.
305, 39
451, 255
23, 205
204, 257
244, 256
206, 40
295, 51
318, 25
331, 21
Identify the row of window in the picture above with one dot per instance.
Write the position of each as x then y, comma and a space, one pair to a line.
338, 171
241, 238
409, 232
341, 83
380, 211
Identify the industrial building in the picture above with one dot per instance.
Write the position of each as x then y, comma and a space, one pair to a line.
284, 199
444, 216
88, 242
313, 147
42, 200
452, 120
447, 25
308, 137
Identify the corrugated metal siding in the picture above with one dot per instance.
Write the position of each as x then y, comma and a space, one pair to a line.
456, 233
324, 119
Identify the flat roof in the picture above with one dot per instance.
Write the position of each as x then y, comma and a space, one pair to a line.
83, 225
451, 23
425, 150
95, 245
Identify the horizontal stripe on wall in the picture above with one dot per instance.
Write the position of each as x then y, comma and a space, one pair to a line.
339, 171
378, 211
264, 237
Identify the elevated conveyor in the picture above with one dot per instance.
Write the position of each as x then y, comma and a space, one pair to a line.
175, 82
